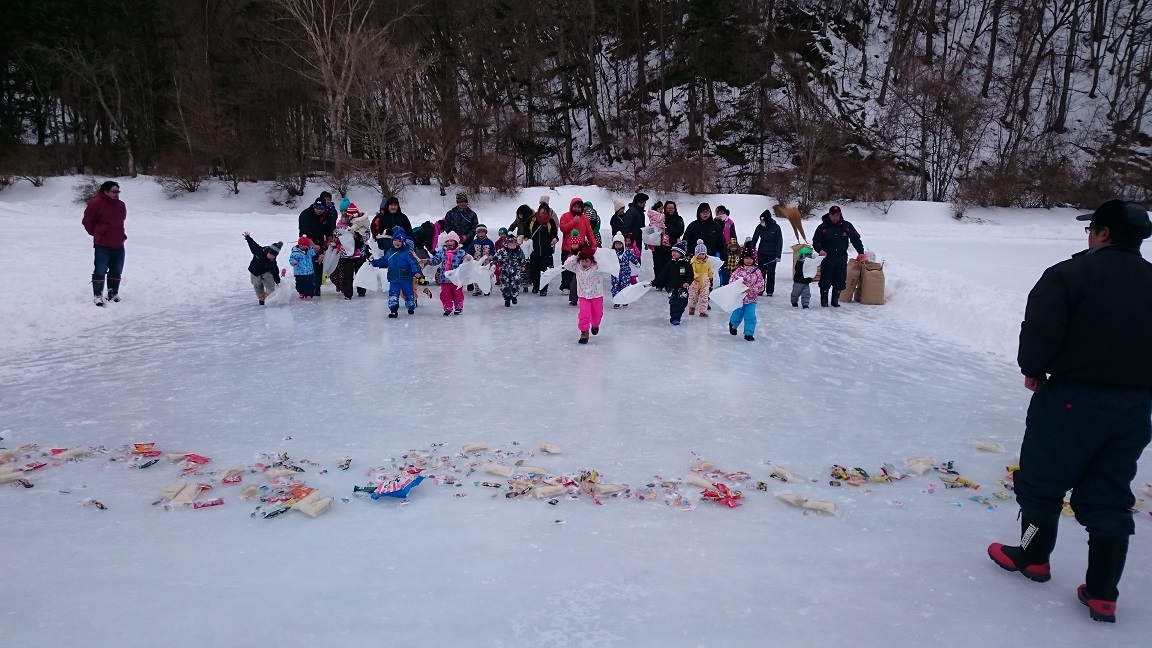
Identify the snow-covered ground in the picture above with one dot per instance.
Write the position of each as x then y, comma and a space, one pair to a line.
190, 362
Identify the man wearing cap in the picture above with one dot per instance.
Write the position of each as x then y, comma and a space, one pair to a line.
462, 220
1086, 354
633, 221
831, 241
318, 223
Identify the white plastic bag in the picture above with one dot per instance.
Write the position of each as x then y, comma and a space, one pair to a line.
716, 263
811, 267
607, 261
331, 260
728, 298
527, 247
548, 275
482, 277
367, 277
464, 274
652, 235
631, 294
347, 241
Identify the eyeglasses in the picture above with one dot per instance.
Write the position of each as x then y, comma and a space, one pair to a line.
116, 191
1088, 230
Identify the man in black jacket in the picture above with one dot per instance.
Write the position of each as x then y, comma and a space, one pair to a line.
831, 241
633, 222
318, 223
1086, 354
768, 244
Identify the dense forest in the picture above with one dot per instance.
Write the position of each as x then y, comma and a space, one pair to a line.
990, 102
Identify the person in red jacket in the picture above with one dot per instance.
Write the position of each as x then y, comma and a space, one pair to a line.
574, 221
104, 221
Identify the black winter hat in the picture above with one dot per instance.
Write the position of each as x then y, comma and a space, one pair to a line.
1124, 217
640, 199
275, 248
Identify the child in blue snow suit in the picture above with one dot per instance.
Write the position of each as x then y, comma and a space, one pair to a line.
403, 269
303, 262
511, 263
627, 257
265, 274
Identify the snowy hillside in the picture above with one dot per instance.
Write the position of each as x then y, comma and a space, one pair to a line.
189, 362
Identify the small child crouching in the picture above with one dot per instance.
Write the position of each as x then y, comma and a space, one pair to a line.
750, 276
265, 274
590, 288
303, 262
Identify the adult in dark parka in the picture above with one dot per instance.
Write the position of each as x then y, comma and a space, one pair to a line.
1086, 354
831, 241
768, 244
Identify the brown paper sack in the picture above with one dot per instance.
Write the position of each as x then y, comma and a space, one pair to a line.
792, 498
918, 465
313, 505
852, 282
238, 469
697, 480
549, 448
479, 446
549, 491
9, 477
278, 473
823, 507
73, 453
872, 284
532, 470
497, 469
782, 473
608, 489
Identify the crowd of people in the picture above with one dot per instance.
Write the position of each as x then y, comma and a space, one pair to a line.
341, 239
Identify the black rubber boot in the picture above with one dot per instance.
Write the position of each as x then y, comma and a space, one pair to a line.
1030, 557
1106, 558
114, 288
98, 290
823, 297
835, 299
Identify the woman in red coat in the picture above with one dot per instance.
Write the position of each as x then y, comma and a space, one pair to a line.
104, 221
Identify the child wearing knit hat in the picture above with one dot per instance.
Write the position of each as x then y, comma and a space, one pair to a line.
702, 278
449, 258
265, 274
303, 260
589, 285
675, 277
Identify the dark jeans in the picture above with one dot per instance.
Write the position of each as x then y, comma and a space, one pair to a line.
677, 303
769, 272
537, 264
1087, 438
568, 279
834, 273
306, 284
661, 255
109, 261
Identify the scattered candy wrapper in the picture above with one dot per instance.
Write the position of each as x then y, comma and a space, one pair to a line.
218, 501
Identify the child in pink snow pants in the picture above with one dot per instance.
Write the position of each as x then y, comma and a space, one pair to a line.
449, 258
590, 287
